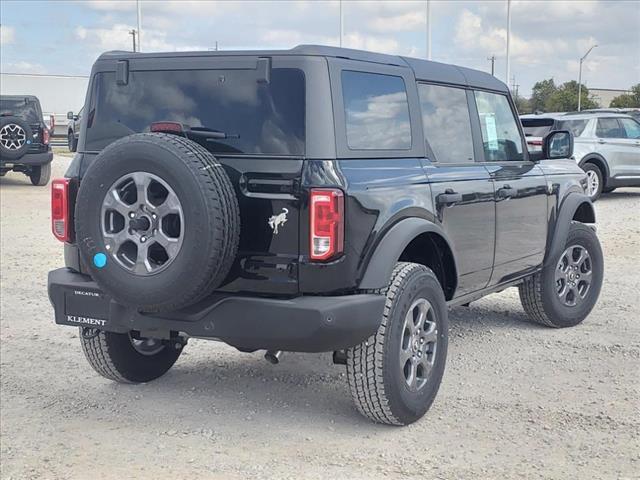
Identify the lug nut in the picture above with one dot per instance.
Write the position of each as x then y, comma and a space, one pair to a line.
154, 216
143, 239
132, 215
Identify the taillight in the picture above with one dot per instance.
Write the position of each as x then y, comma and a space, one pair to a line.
60, 209
327, 223
45, 136
166, 127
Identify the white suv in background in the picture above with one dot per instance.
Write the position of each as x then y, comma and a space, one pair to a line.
607, 145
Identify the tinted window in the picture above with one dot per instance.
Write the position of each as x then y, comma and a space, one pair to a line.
446, 122
260, 118
537, 127
631, 127
22, 108
376, 111
500, 135
609, 128
574, 126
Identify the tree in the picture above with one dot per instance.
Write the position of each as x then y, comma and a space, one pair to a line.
628, 100
523, 105
540, 94
565, 98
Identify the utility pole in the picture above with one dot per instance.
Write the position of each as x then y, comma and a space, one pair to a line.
580, 76
508, 38
341, 24
132, 32
139, 25
428, 6
493, 63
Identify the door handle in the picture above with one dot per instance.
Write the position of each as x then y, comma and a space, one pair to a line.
449, 197
601, 141
507, 192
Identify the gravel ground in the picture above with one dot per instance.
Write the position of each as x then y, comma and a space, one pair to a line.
517, 400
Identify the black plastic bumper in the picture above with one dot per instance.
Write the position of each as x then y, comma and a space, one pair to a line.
301, 324
31, 159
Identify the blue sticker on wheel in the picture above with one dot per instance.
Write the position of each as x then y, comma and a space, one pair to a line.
100, 260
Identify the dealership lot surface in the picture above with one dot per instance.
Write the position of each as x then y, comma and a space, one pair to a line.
517, 400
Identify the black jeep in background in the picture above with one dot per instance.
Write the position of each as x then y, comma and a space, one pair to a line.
316, 199
24, 138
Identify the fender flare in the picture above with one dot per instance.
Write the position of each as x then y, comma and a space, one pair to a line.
383, 259
560, 232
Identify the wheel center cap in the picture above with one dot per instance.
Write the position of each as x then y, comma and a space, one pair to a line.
140, 224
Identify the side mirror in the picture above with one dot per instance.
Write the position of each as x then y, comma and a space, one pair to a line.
557, 144
69, 115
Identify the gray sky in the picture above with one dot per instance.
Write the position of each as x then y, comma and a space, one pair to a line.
548, 37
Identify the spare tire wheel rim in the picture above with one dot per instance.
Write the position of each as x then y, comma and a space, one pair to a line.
12, 136
142, 223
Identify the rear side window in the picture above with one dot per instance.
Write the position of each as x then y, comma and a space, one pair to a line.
537, 127
446, 123
609, 128
500, 135
574, 126
376, 111
258, 117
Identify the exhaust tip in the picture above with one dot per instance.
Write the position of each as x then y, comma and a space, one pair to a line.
273, 356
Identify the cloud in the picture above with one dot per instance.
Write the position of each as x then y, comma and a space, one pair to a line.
399, 23
7, 35
23, 67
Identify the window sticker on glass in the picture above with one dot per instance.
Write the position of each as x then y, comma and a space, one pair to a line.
492, 132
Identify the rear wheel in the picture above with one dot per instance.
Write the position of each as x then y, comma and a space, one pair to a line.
40, 174
595, 181
125, 358
566, 290
394, 376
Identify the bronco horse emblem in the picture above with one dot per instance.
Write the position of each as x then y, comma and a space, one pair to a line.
276, 220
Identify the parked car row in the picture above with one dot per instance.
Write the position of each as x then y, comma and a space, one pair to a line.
606, 144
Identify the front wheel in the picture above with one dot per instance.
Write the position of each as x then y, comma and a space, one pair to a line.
394, 376
125, 358
72, 142
567, 288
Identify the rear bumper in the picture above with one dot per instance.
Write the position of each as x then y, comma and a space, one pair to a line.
30, 159
302, 324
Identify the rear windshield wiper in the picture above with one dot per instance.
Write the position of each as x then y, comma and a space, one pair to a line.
209, 134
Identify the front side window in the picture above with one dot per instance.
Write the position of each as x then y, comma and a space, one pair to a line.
631, 128
257, 117
609, 128
574, 126
500, 135
376, 111
446, 122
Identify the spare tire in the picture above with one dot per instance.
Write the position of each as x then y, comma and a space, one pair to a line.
157, 221
15, 137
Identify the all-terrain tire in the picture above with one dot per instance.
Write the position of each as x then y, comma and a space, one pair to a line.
211, 227
40, 174
592, 169
113, 356
374, 368
538, 293
72, 142
14, 148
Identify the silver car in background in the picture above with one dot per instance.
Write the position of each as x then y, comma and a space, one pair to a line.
607, 145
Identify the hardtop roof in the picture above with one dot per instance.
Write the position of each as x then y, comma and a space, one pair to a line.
423, 69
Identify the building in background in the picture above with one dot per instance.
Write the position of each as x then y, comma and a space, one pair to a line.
58, 94
603, 96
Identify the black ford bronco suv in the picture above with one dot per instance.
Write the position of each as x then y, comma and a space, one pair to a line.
24, 139
313, 200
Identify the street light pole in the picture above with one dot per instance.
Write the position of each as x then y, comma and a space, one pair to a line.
428, 29
139, 25
132, 32
580, 76
341, 24
508, 39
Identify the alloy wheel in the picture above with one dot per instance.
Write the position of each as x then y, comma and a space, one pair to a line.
12, 136
418, 344
573, 275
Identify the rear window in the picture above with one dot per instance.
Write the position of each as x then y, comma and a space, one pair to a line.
574, 126
536, 127
23, 108
258, 117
